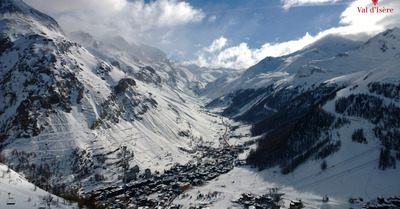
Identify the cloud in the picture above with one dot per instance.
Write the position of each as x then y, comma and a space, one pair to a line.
361, 26
352, 24
217, 44
176, 26
136, 20
241, 56
287, 4
212, 18
357, 22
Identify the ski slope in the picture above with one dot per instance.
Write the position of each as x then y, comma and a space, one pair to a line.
351, 173
16, 189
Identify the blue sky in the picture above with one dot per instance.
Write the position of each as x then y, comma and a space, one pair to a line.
257, 22
220, 33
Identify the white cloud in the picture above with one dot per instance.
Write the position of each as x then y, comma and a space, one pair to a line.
135, 20
241, 56
157, 23
361, 26
212, 18
217, 44
353, 25
287, 4
355, 22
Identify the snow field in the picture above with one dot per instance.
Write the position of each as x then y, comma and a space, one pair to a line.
24, 194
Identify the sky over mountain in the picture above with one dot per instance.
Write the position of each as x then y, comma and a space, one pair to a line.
228, 33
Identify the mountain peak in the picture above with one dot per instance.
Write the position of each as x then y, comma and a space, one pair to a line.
18, 12
388, 42
333, 42
7, 3
84, 38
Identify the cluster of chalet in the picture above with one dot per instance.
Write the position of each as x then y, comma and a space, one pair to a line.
272, 200
382, 203
164, 188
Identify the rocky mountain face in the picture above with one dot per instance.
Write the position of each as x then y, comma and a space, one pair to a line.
74, 109
299, 104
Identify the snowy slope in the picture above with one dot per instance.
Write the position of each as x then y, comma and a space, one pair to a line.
315, 133
280, 71
339, 185
143, 62
283, 78
15, 188
86, 113
78, 110
208, 78
357, 169
352, 172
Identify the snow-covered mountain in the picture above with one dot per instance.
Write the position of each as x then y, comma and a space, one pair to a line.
327, 121
272, 69
207, 76
300, 103
143, 62
119, 119
88, 109
263, 88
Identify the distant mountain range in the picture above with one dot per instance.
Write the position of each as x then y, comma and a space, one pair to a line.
300, 103
98, 113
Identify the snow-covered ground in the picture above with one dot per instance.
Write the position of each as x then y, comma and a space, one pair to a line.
16, 189
156, 134
352, 172
229, 187
310, 187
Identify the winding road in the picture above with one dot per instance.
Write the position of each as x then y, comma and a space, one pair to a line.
224, 136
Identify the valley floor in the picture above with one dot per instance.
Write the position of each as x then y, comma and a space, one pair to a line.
230, 187
351, 181
218, 178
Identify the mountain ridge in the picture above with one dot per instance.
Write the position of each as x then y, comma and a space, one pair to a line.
111, 116
74, 109
303, 119
289, 78
9, 8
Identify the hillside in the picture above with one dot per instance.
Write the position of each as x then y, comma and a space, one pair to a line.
119, 123
286, 101
17, 193
327, 126
76, 111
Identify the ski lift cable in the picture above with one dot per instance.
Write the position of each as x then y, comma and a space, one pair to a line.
338, 164
369, 151
14, 195
14, 189
17, 195
29, 195
341, 173
344, 172
334, 176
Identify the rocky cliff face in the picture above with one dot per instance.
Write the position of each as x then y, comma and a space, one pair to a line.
71, 110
